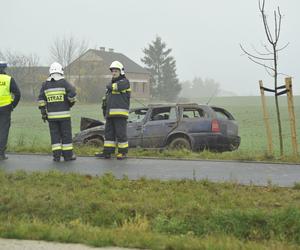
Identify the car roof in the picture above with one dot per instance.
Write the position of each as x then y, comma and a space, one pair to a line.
165, 105
171, 104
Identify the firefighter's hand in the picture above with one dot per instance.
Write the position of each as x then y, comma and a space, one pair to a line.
44, 117
71, 104
109, 87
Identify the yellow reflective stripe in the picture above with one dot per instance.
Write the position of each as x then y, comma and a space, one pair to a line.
59, 114
110, 144
55, 93
42, 103
118, 113
121, 92
54, 89
67, 146
56, 147
115, 86
123, 145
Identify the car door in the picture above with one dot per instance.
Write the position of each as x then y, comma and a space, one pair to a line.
135, 125
161, 121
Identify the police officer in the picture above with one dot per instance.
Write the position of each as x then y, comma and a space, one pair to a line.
9, 98
56, 98
116, 109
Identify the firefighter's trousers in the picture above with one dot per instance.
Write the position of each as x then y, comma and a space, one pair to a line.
115, 135
61, 138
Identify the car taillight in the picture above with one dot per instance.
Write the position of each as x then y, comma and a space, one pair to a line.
215, 127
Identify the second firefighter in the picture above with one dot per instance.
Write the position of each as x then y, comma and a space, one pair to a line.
116, 110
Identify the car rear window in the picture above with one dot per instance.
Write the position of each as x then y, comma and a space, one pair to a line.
194, 113
222, 114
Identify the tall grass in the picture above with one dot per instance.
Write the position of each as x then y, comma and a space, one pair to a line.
147, 213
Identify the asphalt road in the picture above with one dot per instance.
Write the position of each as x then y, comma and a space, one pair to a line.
10, 244
218, 171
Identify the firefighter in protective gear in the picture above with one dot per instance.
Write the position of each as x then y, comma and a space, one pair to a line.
56, 98
115, 107
9, 99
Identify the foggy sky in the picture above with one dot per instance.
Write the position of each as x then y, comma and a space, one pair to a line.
204, 35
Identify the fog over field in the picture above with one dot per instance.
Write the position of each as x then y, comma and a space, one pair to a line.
204, 35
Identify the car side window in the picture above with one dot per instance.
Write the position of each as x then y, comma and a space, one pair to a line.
164, 113
137, 115
194, 113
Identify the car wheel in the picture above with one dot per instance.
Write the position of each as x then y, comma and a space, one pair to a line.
94, 142
180, 143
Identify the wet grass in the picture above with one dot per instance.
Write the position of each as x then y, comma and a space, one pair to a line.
152, 214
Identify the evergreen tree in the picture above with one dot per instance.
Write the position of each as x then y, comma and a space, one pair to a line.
164, 83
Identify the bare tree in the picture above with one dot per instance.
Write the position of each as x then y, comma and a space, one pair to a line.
268, 58
24, 68
66, 49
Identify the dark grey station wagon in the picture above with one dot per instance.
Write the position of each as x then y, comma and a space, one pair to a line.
191, 126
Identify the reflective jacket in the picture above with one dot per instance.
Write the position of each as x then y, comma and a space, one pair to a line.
117, 100
9, 91
57, 97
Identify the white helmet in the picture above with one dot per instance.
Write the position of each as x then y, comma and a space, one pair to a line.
117, 65
56, 68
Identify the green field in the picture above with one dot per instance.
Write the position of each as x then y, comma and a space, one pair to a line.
29, 132
104, 211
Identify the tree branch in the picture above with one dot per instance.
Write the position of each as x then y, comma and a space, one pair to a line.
256, 57
285, 46
261, 64
260, 53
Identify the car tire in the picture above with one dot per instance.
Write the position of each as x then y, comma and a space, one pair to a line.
180, 143
94, 142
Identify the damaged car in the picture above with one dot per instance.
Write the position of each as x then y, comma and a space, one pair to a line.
190, 126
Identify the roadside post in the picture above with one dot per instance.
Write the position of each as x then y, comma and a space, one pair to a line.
266, 117
290, 100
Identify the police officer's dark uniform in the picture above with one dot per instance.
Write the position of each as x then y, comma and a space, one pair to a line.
56, 98
116, 110
9, 99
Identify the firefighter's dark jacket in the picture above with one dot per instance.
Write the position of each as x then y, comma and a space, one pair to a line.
57, 97
117, 100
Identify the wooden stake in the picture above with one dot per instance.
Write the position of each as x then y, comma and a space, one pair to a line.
288, 85
266, 118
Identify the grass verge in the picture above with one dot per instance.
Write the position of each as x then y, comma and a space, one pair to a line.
104, 211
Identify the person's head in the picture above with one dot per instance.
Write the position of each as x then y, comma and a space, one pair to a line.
117, 69
56, 68
3, 66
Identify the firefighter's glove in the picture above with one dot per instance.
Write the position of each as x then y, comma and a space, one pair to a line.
44, 115
109, 87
